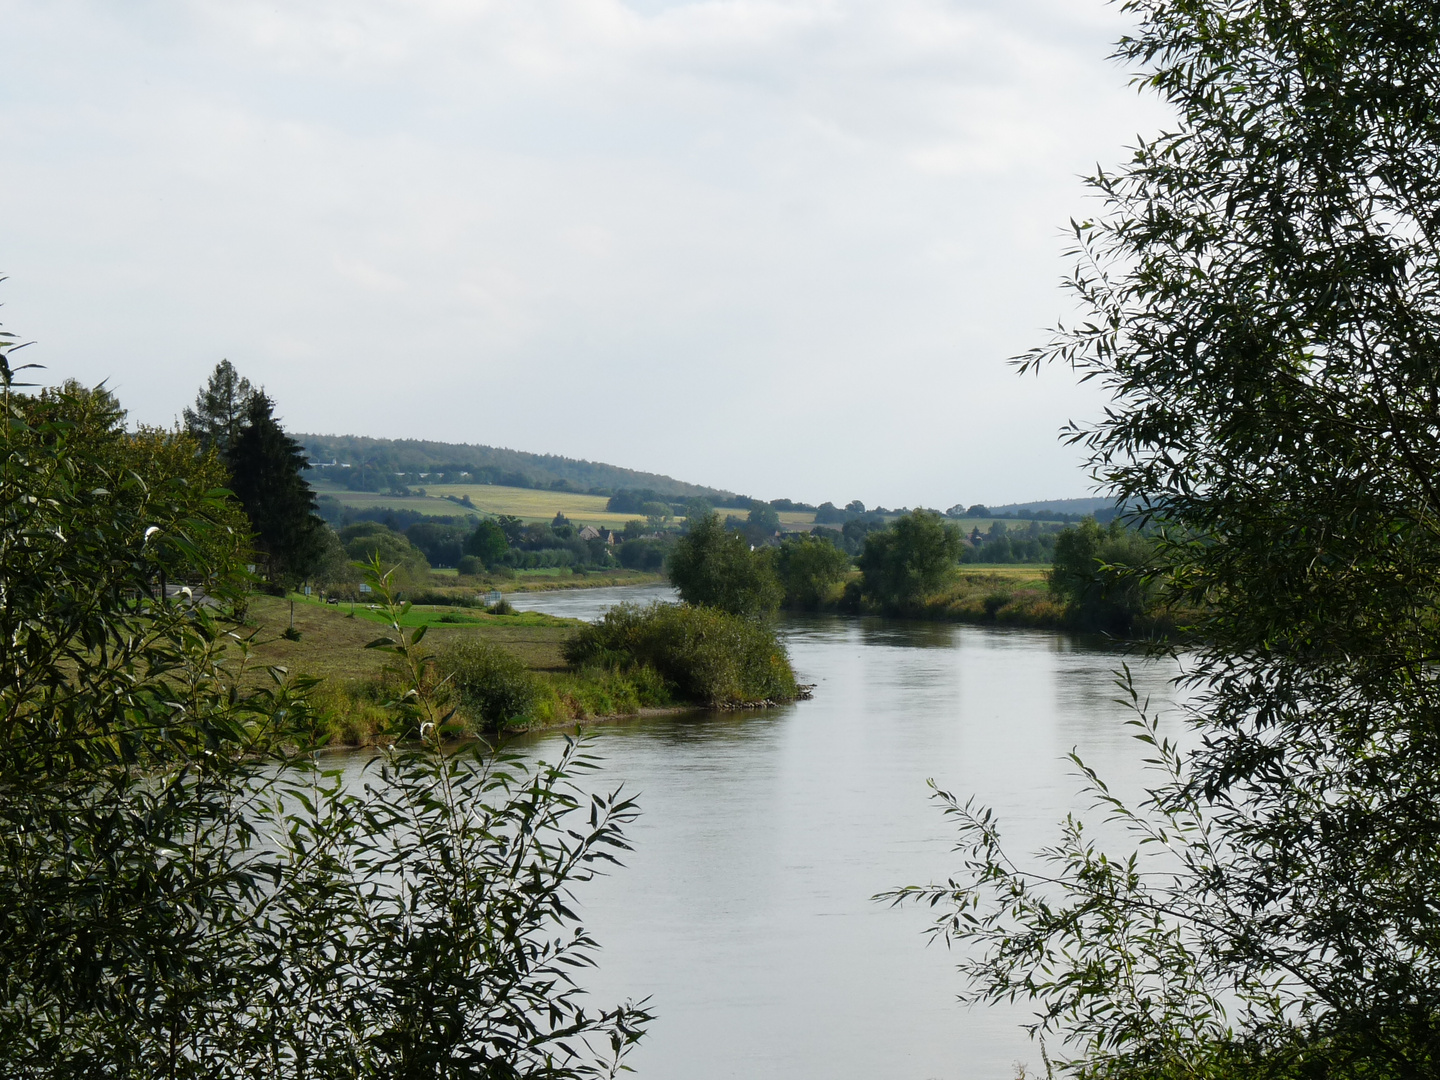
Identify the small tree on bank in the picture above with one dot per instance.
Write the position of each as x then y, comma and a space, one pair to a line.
809, 567
488, 542
1101, 574
714, 567
913, 556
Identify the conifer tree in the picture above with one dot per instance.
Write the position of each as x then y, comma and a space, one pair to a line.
266, 466
220, 408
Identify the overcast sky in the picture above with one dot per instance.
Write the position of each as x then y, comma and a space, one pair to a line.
778, 246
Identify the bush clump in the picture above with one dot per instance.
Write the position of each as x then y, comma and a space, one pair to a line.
493, 687
704, 655
1103, 575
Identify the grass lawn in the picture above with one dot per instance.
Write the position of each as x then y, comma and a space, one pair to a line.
530, 504
332, 643
1014, 573
424, 504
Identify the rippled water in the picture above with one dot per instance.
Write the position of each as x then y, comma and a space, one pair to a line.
744, 912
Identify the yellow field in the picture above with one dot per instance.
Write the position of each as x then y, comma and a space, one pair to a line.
528, 504
532, 505
524, 503
791, 518
535, 505
1016, 572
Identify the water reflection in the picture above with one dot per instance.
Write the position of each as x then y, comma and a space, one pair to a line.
744, 909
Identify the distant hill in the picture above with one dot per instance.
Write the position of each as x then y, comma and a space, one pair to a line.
1101, 508
495, 465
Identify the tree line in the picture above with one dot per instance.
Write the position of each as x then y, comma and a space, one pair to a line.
267, 472
1102, 575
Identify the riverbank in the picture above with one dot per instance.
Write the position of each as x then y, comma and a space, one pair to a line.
329, 641
590, 579
1004, 595
542, 580
1017, 595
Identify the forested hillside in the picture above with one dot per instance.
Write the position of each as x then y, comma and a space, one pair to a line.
1101, 508
374, 462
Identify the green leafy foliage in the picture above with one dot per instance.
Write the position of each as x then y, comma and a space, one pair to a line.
366, 541
809, 569
1261, 302
761, 523
913, 556
704, 655
644, 555
1032, 543
441, 544
128, 856
494, 687
185, 892
714, 567
488, 542
1104, 575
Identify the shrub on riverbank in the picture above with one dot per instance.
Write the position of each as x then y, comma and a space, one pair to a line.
703, 655
491, 692
1004, 599
809, 569
1103, 575
990, 598
598, 691
495, 691
492, 686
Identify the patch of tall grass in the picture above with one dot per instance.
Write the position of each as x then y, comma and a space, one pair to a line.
491, 692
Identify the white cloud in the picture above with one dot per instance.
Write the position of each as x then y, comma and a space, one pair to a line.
777, 246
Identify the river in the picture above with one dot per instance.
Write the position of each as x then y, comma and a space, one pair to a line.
744, 912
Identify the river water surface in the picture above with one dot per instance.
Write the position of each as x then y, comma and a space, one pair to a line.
744, 912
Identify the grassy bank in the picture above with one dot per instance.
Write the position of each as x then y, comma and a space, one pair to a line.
1010, 594
510, 672
547, 580
1001, 595
356, 680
